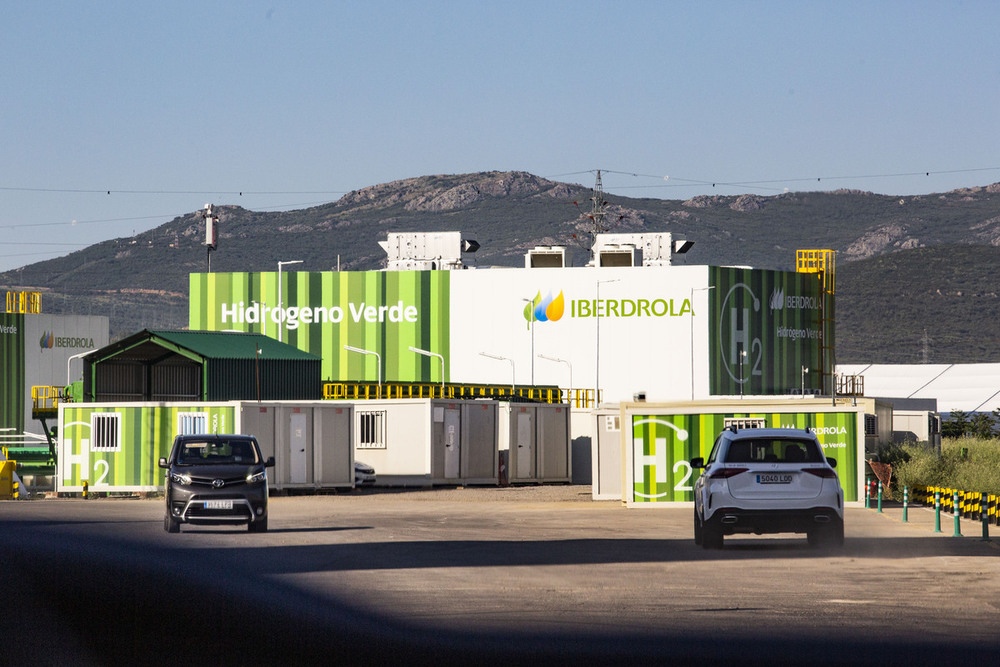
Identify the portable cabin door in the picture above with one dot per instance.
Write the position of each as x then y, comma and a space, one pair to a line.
452, 443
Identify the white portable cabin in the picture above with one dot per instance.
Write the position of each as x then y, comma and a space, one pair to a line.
537, 439
423, 442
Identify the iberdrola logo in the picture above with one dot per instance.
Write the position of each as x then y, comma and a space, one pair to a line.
47, 340
544, 310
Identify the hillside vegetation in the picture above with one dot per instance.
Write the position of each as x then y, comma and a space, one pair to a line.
904, 264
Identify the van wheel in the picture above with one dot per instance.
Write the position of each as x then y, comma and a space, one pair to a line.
170, 524
258, 526
698, 535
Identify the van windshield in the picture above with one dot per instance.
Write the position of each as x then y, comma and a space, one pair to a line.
201, 452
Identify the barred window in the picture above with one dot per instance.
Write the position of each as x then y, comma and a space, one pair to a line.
371, 429
871, 425
106, 432
189, 423
745, 422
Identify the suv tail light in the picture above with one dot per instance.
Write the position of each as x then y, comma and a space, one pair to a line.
726, 473
826, 473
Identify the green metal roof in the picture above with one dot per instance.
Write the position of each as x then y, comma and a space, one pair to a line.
231, 345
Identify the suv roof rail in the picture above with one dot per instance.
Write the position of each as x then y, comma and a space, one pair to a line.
732, 427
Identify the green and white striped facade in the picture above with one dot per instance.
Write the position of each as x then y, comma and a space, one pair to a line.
662, 440
674, 332
41, 349
116, 447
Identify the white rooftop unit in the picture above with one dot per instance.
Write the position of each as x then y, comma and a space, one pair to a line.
545, 256
653, 249
422, 251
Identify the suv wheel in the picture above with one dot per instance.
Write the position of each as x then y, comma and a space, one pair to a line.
170, 524
258, 526
711, 536
830, 535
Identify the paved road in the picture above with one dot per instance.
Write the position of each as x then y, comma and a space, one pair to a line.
489, 575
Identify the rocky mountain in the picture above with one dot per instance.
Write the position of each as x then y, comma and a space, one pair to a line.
905, 264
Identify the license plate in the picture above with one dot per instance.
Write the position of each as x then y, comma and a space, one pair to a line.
774, 479
218, 504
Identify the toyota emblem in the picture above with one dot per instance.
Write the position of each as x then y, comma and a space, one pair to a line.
218, 483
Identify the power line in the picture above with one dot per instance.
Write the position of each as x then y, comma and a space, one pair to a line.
116, 191
680, 182
168, 216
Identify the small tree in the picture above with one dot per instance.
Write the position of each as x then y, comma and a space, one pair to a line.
956, 425
982, 425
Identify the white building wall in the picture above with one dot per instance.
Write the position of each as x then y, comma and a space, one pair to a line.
488, 318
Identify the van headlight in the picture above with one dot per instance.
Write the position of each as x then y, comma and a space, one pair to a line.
256, 477
180, 478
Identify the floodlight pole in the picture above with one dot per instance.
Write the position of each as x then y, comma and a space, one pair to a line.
693, 290
597, 356
281, 313
499, 358
378, 358
561, 361
531, 307
743, 355
428, 353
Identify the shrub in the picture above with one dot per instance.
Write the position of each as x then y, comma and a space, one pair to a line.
967, 464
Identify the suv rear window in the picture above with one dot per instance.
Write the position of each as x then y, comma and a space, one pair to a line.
773, 450
201, 452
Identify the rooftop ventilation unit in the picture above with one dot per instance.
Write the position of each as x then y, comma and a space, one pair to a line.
654, 249
545, 257
426, 251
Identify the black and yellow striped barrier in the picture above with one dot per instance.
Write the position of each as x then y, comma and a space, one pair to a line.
971, 504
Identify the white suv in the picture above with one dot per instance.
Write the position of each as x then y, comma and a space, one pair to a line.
767, 480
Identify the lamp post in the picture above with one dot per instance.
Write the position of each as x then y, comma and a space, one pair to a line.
499, 358
69, 379
531, 325
597, 356
561, 361
693, 290
281, 313
427, 353
378, 358
743, 355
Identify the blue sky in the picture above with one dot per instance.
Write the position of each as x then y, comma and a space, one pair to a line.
172, 105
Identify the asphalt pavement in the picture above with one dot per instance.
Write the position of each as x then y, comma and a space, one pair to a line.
487, 575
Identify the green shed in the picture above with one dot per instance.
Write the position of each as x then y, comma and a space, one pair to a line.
200, 366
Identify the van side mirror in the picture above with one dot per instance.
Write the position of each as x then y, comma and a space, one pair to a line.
163, 463
697, 462
270, 462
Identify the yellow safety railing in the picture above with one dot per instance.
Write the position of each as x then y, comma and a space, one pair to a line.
361, 391
24, 302
45, 398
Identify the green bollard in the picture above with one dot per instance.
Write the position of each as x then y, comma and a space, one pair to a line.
880, 496
955, 512
868, 494
937, 511
984, 517
906, 502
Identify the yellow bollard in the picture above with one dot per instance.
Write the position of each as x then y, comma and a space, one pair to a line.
86, 486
